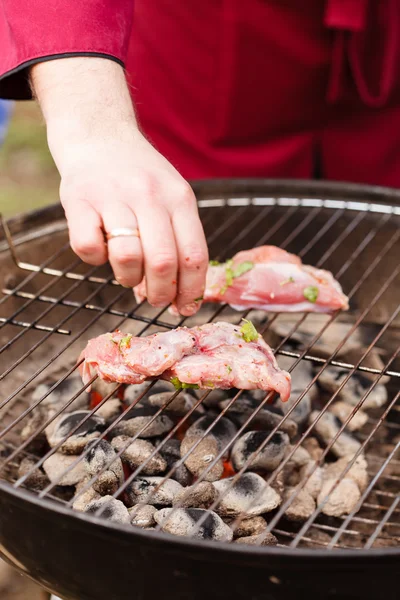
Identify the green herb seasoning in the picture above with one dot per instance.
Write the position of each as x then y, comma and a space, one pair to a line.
125, 342
243, 268
248, 331
229, 368
199, 299
311, 293
289, 280
231, 274
180, 385
214, 263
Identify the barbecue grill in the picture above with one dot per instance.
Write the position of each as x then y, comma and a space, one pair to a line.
52, 303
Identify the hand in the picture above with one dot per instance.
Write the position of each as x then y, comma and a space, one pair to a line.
112, 177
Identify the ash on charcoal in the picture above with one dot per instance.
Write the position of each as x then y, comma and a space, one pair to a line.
267, 418
300, 457
114, 510
182, 522
132, 392
301, 507
171, 452
35, 420
142, 418
268, 458
82, 501
301, 376
137, 453
199, 495
258, 540
249, 495
327, 427
37, 480
354, 389
223, 431
312, 446
249, 527
142, 491
357, 472
201, 456
110, 410
342, 500
342, 410
314, 483
297, 470
214, 397
99, 456
64, 391
179, 406
287, 326
142, 515
64, 425
56, 465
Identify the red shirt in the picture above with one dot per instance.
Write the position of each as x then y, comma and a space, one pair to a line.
226, 88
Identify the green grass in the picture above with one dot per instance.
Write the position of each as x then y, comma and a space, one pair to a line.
28, 176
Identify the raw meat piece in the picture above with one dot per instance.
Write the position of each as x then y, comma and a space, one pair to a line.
270, 279
216, 355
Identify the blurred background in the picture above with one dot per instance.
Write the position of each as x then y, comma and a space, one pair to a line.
28, 179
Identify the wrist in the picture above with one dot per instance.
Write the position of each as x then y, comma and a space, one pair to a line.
85, 101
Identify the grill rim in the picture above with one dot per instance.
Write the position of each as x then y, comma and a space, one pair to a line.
230, 187
185, 542
44, 218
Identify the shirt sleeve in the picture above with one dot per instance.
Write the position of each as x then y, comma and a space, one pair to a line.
38, 30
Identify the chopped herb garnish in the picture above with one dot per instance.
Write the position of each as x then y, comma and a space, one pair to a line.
199, 299
311, 293
231, 274
214, 263
248, 331
243, 268
285, 281
180, 385
229, 368
209, 384
124, 342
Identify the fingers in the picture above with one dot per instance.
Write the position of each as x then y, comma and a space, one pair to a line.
192, 256
124, 253
160, 257
85, 232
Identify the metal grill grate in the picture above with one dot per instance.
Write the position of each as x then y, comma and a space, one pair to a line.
59, 303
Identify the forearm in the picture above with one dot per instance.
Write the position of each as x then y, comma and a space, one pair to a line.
83, 99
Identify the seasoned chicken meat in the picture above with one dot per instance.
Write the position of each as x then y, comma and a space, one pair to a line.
271, 279
216, 355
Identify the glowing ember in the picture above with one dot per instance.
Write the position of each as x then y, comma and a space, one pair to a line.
95, 399
229, 471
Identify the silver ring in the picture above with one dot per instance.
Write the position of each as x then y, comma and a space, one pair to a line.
122, 232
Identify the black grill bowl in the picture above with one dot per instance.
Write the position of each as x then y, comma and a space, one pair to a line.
81, 558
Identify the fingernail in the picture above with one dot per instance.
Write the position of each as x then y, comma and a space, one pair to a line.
189, 309
124, 285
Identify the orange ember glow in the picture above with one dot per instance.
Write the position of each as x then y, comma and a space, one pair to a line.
180, 433
229, 471
95, 399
